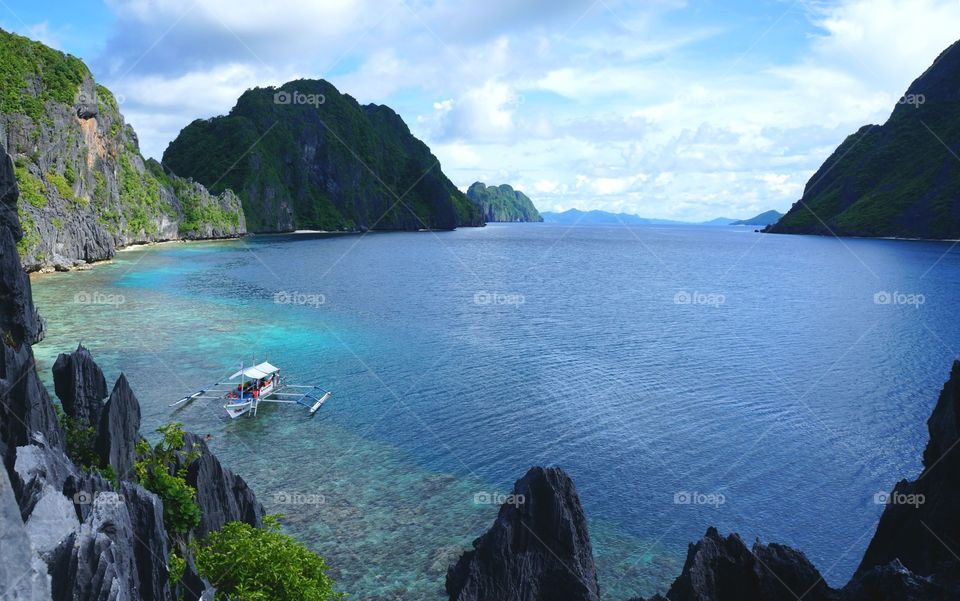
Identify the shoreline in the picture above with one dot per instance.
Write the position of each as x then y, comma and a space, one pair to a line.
87, 266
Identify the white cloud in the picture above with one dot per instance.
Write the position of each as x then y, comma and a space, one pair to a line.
622, 106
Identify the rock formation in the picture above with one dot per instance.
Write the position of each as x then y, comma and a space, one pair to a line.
80, 386
67, 533
537, 550
222, 495
896, 179
119, 430
305, 156
86, 189
502, 203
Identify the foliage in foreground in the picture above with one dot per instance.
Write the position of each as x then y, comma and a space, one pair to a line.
155, 470
262, 564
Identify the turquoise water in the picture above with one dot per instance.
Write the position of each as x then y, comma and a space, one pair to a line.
754, 375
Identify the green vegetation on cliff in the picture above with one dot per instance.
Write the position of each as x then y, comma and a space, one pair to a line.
502, 203
306, 156
898, 179
153, 470
32, 73
86, 189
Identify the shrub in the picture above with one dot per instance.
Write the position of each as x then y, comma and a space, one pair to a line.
80, 440
177, 566
261, 564
156, 471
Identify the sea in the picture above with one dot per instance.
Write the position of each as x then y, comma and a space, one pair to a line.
684, 377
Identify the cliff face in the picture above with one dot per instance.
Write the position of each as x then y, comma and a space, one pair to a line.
305, 156
85, 188
542, 552
896, 179
67, 533
502, 203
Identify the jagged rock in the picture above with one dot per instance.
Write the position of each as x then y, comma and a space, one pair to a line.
151, 547
87, 99
894, 582
49, 515
23, 575
119, 429
724, 569
920, 525
24, 404
37, 464
80, 386
537, 550
222, 495
102, 564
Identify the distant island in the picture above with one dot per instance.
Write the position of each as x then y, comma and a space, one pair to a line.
597, 217
899, 179
306, 156
765, 218
502, 203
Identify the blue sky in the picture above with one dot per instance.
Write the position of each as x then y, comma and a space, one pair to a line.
664, 108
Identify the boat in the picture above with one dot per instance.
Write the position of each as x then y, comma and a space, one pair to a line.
244, 390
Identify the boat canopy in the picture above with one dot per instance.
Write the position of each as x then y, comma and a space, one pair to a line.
256, 372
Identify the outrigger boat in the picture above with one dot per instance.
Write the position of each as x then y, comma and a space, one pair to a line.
244, 390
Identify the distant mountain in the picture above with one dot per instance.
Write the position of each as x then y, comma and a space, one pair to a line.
897, 179
502, 203
765, 218
595, 217
305, 156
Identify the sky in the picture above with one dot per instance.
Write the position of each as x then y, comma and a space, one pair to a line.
672, 109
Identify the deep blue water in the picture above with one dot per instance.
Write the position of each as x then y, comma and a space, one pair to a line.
459, 359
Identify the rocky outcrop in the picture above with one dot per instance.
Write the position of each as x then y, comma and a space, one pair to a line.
920, 525
80, 386
66, 533
119, 429
87, 189
872, 186
305, 156
537, 550
25, 406
502, 203
725, 569
102, 565
222, 495
23, 575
